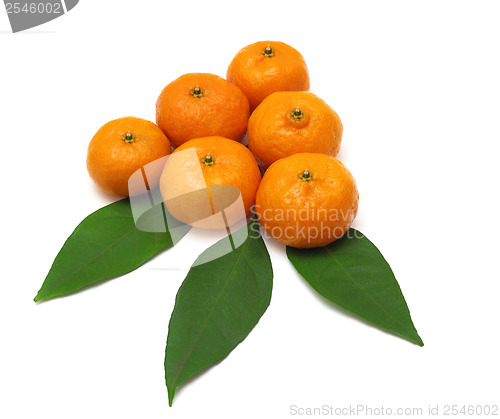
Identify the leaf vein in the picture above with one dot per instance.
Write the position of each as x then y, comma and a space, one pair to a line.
202, 329
334, 258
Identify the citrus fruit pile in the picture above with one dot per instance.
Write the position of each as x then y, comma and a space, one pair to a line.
256, 149
306, 198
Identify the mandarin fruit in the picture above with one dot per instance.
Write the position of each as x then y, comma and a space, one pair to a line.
208, 179
286, 123
266, 67
200, 105
120, 148
307, 200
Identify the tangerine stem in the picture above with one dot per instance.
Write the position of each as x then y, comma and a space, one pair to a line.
268, 52
297, 113
208, 160
128, 138
307, 176
196, 92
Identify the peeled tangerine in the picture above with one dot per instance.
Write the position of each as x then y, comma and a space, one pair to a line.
307, 200
210, 182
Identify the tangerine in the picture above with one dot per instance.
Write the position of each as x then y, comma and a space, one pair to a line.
120, 148
266, 67
209, 176
307, 200
200, 105
286, 123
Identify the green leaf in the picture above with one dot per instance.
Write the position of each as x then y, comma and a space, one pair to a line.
352, 273
108, 244
217, 305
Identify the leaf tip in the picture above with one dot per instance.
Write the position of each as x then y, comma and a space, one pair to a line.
419, 341
171, 394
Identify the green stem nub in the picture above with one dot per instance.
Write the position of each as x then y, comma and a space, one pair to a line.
128, 138
208, 160
268, 52
297, 114
306, 176
196, 92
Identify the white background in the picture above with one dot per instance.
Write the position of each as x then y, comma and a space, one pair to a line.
417, 87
